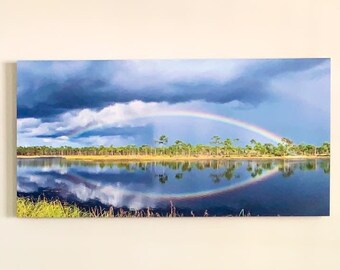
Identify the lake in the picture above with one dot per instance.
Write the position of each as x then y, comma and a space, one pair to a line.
210, 187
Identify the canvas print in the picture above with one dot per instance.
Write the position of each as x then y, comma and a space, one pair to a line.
173, 138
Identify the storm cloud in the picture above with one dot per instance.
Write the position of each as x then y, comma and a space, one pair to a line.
49, 88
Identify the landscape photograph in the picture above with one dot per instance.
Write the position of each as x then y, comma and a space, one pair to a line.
173, 138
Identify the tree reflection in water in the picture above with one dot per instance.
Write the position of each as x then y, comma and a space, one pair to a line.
219, 169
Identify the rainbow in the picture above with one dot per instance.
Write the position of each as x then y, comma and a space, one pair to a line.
194, 114
185, 196
201, 194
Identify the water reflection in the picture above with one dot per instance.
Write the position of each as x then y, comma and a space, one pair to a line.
148, 184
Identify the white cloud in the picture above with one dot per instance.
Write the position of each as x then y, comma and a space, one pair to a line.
63, 138
106, 140
132, 114
27, 123
118, 115
33, 127
111, 194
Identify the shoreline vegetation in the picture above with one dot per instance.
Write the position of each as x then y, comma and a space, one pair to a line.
217, 149
43, 208
170, 158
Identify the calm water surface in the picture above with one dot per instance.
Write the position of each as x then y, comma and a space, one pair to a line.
265, 188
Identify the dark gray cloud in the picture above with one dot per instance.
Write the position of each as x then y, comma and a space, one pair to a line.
49, 88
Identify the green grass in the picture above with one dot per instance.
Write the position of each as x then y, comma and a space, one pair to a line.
43, 208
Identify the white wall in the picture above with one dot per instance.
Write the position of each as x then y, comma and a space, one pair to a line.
85, 29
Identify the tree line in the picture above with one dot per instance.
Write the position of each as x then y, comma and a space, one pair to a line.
217, 147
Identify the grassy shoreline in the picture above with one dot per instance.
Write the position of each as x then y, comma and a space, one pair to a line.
169, 158
43, 208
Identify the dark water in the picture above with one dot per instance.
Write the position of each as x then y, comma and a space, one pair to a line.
265, 188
